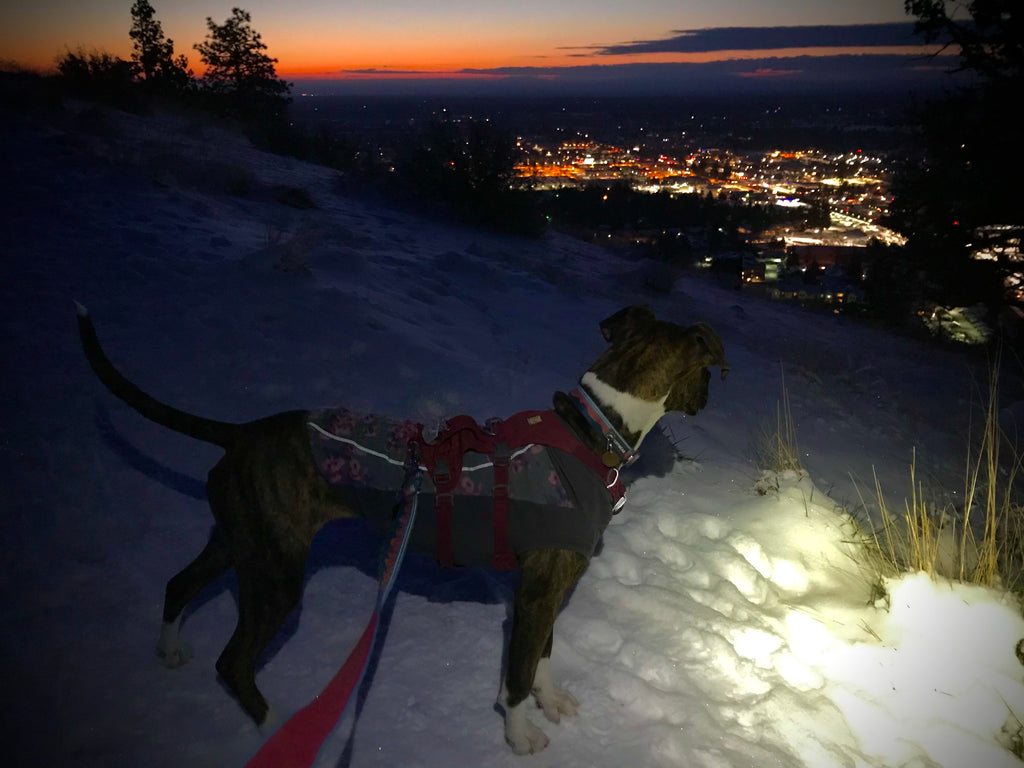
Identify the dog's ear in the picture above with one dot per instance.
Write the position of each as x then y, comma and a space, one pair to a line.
712, 350
626, 322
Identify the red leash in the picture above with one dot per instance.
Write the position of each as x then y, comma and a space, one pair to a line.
297, 743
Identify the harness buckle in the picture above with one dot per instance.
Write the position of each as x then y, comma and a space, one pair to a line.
441, 475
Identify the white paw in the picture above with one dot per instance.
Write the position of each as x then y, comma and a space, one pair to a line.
171, 650
553, 700
556, 702
524, 737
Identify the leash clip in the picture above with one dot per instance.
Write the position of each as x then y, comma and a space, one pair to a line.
612, 480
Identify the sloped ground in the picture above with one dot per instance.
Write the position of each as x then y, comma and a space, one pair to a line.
718, 627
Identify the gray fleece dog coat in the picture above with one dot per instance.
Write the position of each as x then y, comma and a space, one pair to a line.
555, 500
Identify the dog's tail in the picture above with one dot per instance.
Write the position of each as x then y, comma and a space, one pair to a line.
220, 433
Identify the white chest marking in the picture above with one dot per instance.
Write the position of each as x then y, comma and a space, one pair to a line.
638, 416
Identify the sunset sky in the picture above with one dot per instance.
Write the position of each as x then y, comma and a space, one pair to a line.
485, 39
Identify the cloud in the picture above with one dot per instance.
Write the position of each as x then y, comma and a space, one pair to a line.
376, 71
880, 72
769, 38
847, 66
379, 73
769, 72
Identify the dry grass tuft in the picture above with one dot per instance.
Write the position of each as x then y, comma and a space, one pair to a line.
982, 544
922, 538
775, 447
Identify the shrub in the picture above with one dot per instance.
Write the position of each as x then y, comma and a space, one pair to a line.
29, 91
100, 76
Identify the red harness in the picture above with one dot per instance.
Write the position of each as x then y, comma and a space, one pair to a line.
443, 460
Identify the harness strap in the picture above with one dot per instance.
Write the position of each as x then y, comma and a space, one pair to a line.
445, 523
502, 558
444, 484
444, 461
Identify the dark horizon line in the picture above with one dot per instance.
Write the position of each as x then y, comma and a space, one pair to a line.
885, 72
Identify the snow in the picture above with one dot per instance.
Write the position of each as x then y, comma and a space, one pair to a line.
727, 621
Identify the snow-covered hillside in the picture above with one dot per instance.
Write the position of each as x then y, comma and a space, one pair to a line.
717, 627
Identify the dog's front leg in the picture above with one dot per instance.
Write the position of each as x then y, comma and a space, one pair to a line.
546, 576
554, 701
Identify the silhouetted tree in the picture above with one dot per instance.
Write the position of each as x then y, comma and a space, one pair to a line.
819, 215
890, 283
237, 68
672, 247
153, 54
972, 149
990, 38
466, 167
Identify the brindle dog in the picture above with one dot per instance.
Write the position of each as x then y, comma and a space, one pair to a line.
269, 499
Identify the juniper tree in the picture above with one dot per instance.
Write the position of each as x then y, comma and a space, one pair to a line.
153, 54
238, 67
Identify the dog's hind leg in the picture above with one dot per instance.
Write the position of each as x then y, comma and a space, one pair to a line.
183, 589
546, 577
267, 594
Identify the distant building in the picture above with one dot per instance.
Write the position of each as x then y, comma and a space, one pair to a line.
827, 287
826, 255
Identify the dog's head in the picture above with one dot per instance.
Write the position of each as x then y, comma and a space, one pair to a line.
653, 359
